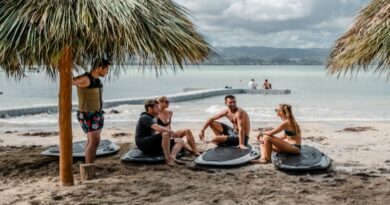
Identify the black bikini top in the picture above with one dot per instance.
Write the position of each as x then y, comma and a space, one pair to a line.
289, 133
160, 122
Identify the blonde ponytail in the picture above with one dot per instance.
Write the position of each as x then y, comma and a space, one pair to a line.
286, 109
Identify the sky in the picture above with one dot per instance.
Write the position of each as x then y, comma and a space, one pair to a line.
273, 23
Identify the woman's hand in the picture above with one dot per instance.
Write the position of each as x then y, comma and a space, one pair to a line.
201, 135
260, 135
267, 133
173, 134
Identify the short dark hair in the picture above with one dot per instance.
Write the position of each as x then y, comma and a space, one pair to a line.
229, 97
100, 63
150, 103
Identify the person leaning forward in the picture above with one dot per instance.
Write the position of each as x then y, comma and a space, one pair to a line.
152, 138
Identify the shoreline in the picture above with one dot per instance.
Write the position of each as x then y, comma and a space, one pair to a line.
53, 126
176, 97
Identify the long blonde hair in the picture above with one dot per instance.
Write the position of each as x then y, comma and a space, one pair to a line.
286, 109
162, 98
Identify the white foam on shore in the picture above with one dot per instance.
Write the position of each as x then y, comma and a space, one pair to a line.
214, 109
132, 116
199, 111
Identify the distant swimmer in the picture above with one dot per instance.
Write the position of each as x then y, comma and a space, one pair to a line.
1, 93
252, 84
267, 85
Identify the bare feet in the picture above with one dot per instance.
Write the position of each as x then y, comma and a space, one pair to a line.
197, 154
170, 163
241, 146
260, 161
176, 161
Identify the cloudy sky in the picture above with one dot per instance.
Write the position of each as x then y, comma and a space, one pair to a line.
274, 23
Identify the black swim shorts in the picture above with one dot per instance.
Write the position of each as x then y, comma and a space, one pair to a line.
232, 136
151, 144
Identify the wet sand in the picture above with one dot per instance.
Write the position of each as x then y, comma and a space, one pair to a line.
360, 173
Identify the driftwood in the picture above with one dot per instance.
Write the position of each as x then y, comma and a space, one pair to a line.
87, 171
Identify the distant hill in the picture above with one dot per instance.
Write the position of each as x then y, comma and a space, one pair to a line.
269, 56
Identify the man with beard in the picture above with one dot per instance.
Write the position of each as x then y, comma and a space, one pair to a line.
238, 135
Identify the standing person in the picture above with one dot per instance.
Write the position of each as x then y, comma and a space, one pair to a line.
238, 135
90, 113
252, 84
152, 138
164, 118
289, 142
267, 85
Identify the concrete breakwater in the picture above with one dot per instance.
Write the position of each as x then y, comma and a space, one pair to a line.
188, 94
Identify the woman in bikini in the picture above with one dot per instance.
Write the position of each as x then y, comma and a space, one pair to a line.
289, 142
164, 119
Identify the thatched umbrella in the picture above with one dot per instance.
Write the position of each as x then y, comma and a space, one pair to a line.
367, 42
63, 35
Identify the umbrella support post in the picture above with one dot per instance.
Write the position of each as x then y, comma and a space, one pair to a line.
65, 117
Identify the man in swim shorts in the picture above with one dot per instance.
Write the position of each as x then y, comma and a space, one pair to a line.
267, 85
90, 113
224, 135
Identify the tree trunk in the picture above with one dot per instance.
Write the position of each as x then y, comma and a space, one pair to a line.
65, 117
87, 171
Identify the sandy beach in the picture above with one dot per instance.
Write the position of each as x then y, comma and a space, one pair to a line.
360, 172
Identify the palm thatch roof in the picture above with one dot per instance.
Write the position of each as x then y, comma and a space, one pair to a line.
34, 32
366, 43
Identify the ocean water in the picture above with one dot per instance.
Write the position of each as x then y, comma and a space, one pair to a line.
315, 95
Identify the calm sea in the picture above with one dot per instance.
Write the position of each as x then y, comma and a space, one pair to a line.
315, 95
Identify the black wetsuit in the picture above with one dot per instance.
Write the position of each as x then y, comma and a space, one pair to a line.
146, 139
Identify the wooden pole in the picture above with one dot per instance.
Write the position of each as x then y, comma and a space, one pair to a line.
65, 117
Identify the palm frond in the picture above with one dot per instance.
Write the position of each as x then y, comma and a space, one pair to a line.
366, 43
157, 32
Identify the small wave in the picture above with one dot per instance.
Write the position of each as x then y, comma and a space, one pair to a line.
214, 109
